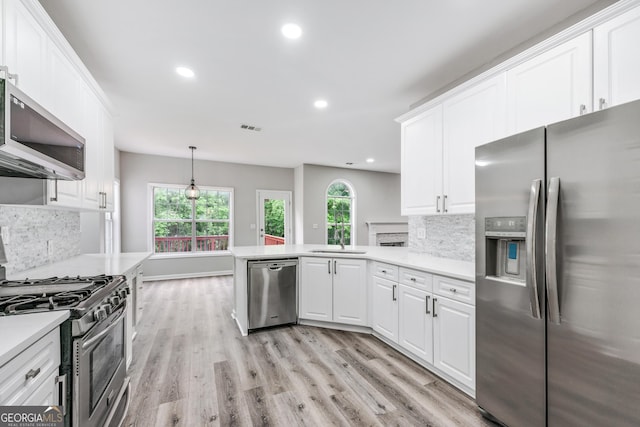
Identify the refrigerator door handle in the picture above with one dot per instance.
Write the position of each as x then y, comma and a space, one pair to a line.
532, 229
550, 250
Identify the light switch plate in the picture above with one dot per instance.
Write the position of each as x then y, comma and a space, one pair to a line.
422, 233
315, 226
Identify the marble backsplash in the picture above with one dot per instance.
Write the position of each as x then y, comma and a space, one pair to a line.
446, 236
39, 236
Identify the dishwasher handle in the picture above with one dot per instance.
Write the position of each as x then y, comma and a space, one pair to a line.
276, 267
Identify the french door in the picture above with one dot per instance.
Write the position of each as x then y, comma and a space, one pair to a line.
274, 217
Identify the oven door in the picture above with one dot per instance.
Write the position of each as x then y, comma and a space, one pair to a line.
100, 371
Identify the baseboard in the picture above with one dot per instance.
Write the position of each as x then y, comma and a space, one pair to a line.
188, 275
336, 326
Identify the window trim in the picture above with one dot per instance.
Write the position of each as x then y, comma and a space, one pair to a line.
353, 198
194, 254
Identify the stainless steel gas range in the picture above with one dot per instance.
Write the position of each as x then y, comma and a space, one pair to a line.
92, 341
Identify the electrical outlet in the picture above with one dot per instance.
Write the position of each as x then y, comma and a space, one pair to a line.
315, 226
4, 232
252, 226
422, 233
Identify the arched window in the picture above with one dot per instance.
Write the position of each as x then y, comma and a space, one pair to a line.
341, 206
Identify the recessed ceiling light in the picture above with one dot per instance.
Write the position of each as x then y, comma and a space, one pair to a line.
185, 72
291, 31
370, 160
320, 104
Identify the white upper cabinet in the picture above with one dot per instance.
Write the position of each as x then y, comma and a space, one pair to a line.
471, 118
421, 179
50, 72
617, 60
553, 86
25, 50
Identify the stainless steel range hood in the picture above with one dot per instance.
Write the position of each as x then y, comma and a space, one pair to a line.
33, 142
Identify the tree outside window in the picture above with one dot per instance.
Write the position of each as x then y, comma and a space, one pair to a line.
340, 213
181, 225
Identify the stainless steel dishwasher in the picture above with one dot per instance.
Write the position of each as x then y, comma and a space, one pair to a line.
272, 293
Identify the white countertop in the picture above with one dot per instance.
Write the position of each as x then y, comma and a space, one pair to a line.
20, 331
393, 255
85, 265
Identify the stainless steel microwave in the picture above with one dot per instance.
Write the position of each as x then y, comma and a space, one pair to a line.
33, 142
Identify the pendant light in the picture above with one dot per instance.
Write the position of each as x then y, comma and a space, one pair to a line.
192, 192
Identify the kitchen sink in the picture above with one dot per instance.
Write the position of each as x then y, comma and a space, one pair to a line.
337, 251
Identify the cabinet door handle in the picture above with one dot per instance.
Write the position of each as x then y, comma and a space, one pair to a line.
434, 307
335, 267
438, 204
602, 103
31, 374
62, 379
393, 293
55, 191
329, 266
444, 204
426, 300
583, 109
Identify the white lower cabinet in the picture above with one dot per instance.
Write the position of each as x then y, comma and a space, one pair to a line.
31, 378
385, 308
431, 317
454, 341
416, 322
333, 290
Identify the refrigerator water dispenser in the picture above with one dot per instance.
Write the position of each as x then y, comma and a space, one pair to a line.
505, 244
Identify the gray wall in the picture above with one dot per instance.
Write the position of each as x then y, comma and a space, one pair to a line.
377, 199
138, 170
29, 231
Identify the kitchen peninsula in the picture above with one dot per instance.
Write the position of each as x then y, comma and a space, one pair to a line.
422, 306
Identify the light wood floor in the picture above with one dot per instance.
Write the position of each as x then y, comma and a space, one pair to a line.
191, 367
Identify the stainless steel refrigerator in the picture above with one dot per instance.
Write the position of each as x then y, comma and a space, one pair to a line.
558, 273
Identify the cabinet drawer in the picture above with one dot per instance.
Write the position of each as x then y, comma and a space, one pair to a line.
455, 289
417, 279
37, 363
386, 271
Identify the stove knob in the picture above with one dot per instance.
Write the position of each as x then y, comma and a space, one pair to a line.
99, 314
115, 301
107, 308
122, 293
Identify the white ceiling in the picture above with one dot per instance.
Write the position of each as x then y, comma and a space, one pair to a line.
370, 59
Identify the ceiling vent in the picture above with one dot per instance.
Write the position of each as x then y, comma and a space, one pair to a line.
249, 127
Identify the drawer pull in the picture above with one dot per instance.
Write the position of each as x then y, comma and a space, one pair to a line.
384, 271
413, 279
454, 290
31, 374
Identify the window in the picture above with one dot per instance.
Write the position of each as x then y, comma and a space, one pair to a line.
340, 213
181, 225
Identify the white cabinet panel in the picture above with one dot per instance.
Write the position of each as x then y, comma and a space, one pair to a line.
616, 60
421, 158
92, 183
471, 118
385, 308
454, 343
25, 51
350, 291
47, 394
416, 323
316, 289
553, 86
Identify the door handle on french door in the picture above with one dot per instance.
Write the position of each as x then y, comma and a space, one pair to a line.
550, 249
532, 231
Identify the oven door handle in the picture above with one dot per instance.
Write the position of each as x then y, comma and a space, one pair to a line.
93, 341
